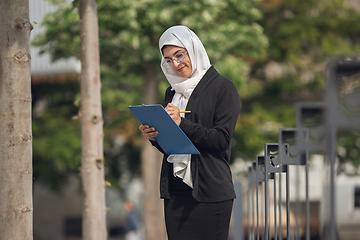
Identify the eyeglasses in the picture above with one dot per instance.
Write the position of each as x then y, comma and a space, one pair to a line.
179, 58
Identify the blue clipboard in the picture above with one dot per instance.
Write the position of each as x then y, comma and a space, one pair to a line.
170, 138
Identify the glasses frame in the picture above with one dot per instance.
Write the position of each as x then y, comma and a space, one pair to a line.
171, 64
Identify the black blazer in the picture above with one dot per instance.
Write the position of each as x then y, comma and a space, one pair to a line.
214, 106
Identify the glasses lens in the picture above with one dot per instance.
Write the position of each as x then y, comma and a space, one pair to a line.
180, 57
169, 62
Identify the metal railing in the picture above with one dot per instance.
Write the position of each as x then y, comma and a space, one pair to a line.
317, 126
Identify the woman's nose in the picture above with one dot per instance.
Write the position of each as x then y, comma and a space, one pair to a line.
175, 63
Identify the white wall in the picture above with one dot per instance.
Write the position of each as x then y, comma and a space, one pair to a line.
41, 64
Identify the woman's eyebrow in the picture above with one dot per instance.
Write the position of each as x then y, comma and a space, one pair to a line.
174, 53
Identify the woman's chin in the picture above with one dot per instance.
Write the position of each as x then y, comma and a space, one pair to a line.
185, 73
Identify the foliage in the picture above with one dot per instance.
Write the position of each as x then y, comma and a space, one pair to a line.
57, 146
348, 152
302, 36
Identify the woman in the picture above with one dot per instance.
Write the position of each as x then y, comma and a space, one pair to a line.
197, 190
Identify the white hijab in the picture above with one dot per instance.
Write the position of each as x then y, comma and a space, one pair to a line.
182, 36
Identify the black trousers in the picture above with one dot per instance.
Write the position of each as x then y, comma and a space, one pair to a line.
187, 219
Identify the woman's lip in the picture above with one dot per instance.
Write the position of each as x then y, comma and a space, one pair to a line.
180, 69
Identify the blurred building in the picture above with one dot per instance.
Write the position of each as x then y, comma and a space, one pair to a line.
42, 68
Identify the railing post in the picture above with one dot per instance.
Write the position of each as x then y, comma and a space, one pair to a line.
271, 152
260, 177
311, 137
238, 231
343, 103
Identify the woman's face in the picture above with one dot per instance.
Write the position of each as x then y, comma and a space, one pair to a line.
183, 68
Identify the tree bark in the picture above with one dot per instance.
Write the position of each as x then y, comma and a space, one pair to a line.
16, 206
92, 169
153, 213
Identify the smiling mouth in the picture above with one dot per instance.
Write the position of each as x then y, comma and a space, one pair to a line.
180, 69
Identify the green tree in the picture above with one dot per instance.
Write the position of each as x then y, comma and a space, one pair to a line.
57, 145
302, 36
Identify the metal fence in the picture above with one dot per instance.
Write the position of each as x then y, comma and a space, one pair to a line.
317, 127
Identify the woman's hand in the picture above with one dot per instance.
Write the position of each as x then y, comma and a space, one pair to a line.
174, 112
148, 132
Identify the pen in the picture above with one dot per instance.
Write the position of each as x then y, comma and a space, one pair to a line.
185, 111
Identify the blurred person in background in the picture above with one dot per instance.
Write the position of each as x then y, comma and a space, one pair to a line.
132, 226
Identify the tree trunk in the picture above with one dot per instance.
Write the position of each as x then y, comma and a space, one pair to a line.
153, 213
92, 169
16, 206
